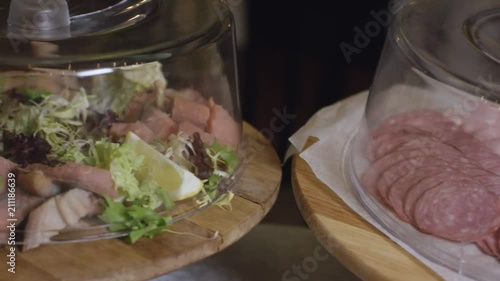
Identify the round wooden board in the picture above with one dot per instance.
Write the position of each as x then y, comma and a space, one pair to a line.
116, 260
357, 244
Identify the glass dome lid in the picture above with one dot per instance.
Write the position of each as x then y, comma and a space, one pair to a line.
455, 42
58, 32
106, 105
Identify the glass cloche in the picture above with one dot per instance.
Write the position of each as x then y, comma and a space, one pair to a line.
426, 158
117, 117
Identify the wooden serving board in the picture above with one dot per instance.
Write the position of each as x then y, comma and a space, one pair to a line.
357, 244
116, 260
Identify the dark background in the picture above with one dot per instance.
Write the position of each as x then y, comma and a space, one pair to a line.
293, 59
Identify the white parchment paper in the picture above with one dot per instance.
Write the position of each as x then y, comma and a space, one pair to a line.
333, 126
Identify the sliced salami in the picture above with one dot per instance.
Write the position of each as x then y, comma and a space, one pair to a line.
412, 195
484, 116
393, 142
485, 247
488, 134
371, 177
491, 242
457, 210
401, 187
439, 178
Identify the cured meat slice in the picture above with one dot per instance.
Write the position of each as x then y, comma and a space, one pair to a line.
195, 113
412, 195
457, 210
475, 150
426, 120
396, 129
426, 144
403, 193
90, 178
397, 193
489, 244
487, 134
489, 180
187, 94
190, 129
120, 130
483, 117
136, 107
223, 127
485, 247
494, 145
410, 159
160, 123
405, 161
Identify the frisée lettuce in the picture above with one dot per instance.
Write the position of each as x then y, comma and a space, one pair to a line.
123, 164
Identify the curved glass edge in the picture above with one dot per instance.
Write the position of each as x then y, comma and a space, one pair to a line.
100, 231
15, 57
430, 66
405, 232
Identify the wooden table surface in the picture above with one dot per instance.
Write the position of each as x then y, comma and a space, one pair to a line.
116, 260
357, 244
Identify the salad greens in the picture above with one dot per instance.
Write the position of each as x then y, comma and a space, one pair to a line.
123, 163
224, 160
45, 127
143, 222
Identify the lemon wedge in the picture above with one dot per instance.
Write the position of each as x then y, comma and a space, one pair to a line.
178, 182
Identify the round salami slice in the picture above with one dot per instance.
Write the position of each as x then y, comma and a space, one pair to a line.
395, 142
475, 150
371, 177
435, 155
485, 247
484, 116
445, 171
396, 192
427, 120
492, 241
494, 145
489, 133
496, 250
416, 191
457, 210
490, 181
382, 135
396, 129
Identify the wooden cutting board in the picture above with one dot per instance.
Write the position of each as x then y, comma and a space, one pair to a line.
116, 260
357, 244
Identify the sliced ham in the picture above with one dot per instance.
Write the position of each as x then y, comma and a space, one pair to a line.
137, 105
188, 94
160, 123
223, 127
195, 113
56, 214
6, 167
120, 130
189, 129
90, 178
